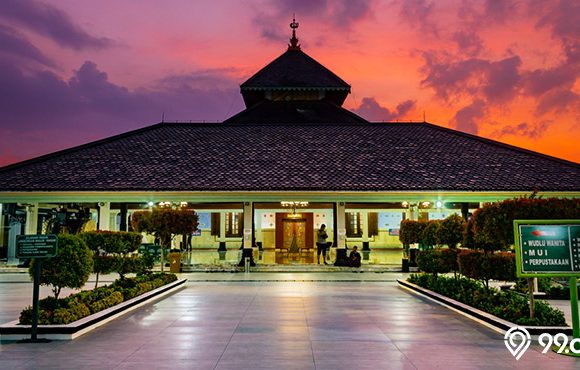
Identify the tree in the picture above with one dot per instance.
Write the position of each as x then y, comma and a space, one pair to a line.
70, 268
164, 223
451, 230
430, 234
112, 251
410, 233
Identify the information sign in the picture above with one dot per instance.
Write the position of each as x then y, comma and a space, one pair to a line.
36, 246
547, 248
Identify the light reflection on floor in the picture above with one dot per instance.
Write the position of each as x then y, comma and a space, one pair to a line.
272, 256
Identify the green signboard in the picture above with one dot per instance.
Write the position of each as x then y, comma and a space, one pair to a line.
36, 246
547, 247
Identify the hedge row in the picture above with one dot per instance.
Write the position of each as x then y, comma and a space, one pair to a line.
112, 242
506, 305
491, 227
477, 265
76, 306
432, 233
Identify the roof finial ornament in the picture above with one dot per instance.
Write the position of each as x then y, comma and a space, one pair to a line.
294, 41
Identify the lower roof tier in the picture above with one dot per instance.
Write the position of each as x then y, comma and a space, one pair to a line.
292, 157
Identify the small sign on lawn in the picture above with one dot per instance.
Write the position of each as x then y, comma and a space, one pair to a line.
36, 246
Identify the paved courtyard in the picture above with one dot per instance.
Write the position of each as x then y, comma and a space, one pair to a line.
278, 321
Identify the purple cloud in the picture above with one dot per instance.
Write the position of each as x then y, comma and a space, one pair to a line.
502, 79
523, 129
540, 81
468, 43
560, 16
373, 111
496, 81
558, 100
52, 22
499, 11
419, 13
14, 44
467, 118
49, 110
337, 13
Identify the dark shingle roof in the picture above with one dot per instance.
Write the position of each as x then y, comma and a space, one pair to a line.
313, 111
294, 69
349, 157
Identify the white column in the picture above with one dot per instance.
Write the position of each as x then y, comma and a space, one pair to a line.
104, 216
31, 219
340, 225
2, 217
364, 220
222, 226
248, 225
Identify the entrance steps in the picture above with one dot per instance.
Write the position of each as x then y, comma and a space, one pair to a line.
289, 268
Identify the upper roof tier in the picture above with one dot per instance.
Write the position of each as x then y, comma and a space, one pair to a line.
294, 76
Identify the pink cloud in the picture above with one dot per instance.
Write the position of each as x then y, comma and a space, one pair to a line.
52, 22
373, 111
15, 45
523, 129
467, 118
336, 13
468, 42
420, 14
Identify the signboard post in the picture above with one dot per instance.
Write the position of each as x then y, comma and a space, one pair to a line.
549, 248
37, 247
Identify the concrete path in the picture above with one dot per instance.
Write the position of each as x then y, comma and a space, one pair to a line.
274, 321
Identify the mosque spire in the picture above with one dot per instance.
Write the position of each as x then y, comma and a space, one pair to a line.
294, 41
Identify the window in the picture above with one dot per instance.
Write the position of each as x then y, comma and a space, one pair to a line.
234, 223
353, 226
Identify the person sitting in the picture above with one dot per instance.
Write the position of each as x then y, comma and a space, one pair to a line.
354, 257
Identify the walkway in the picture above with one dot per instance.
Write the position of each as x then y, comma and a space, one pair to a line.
277, 321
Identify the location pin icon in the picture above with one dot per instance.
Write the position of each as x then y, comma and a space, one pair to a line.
517, 340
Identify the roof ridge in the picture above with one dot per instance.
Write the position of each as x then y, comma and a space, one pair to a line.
499, 143
79, 147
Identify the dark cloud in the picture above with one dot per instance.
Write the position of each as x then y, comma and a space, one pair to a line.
14, 44
523, 129
468, 43
44, 97
558, 100
560, 16
420, 14
499, 11
468, 117
51, 22
502, 79
336, 13
497, 81
88, 106
373, 111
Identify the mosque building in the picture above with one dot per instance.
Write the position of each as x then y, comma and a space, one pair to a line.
269, 176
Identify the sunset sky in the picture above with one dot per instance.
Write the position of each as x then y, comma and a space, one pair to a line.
75, 71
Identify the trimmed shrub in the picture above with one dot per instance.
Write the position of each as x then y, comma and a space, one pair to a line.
438, 260
112, 252
112, 242
451, 231
491, 227
483, 266
430, 234
82, 304
410, 232
505, 305
71, 268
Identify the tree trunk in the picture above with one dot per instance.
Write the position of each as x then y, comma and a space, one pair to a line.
97, 281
